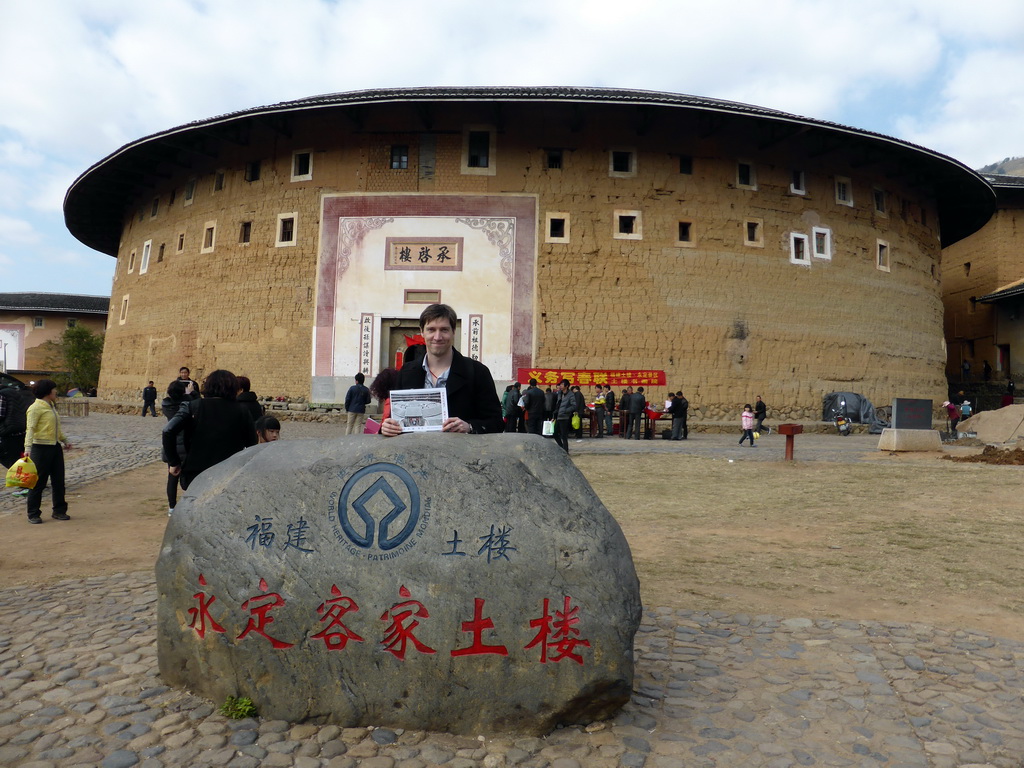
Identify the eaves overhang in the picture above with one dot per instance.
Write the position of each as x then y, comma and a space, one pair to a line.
96, 202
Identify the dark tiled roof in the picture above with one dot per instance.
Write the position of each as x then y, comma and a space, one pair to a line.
55, 302
95, 203
1000, 181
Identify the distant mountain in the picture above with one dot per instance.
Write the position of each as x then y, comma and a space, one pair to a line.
1010, 166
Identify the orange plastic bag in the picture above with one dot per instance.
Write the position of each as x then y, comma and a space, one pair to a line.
22, 474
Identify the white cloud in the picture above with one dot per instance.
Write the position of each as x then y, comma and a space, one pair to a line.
18, 231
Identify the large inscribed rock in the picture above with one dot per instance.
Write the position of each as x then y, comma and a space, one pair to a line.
457, 583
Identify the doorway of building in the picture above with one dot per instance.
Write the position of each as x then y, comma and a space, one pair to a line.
402, 334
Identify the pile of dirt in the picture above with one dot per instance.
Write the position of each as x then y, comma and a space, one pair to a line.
993, 455
1003, 425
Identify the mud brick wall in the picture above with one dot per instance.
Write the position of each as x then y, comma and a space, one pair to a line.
727, 318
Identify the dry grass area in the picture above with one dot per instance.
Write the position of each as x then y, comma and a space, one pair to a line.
920, 541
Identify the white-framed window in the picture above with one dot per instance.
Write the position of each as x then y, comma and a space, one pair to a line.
147, 249
685, 235
878, 197
821, 242
38, 322
180, 248
131, 261
797, 182
882, 255
190, 192
286, 229
798, 253
209, 237
124, 310
844, 191
753, 233
622, 162
302, 165
556, 227
72, 322
746, 175
627, 225
478, 147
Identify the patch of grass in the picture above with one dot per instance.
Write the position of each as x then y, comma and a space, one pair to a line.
237, 708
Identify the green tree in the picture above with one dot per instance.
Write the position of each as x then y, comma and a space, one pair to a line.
75, 358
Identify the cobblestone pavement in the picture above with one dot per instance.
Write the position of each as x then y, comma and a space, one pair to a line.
79, 682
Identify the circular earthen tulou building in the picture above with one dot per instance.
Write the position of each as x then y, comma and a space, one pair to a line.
617, 233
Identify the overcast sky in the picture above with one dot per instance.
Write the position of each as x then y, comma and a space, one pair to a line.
80, 78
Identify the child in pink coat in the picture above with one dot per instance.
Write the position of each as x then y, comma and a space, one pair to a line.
747, 422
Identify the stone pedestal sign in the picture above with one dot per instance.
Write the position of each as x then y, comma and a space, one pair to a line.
468, 584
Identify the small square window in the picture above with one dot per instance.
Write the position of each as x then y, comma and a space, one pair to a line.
844, 191
399, 157
798, 249
798, 183
190, 191
684, 232
72, 322
302, 165
155, 208
746, 175
882, 256
686, 164
753, 233
878, 196
245, 232
37, 322
286, 225
160, 253
218, 181
821, 241
209, 237
628, 225
147, 248
252, 171
124, 310
554, 159
557, 227
181, 243
622, 161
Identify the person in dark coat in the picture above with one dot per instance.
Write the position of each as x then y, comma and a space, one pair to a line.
473, 405
149, 399
637, 403
248, 399
680, 406
216, 428
533, 399
170, 406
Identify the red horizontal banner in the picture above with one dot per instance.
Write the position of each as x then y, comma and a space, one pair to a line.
587, 378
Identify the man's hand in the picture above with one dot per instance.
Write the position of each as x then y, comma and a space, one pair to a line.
390, 427
455, 424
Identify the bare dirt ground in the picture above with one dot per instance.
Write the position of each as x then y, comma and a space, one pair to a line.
916, 540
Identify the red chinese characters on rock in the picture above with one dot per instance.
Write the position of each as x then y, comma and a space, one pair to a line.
202, 613
262, 605
557, 633
477, 627
402, 626
332, 610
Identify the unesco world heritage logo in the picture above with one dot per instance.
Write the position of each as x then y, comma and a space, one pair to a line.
378, 513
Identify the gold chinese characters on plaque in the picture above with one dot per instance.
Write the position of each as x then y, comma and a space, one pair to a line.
418, 253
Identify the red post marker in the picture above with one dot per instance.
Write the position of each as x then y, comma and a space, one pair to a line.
790, 431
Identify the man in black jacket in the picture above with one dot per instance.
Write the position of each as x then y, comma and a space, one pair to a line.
149, 399
473, 406
680, 405
533, 400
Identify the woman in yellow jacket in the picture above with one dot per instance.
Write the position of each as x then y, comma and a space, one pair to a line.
43, 438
